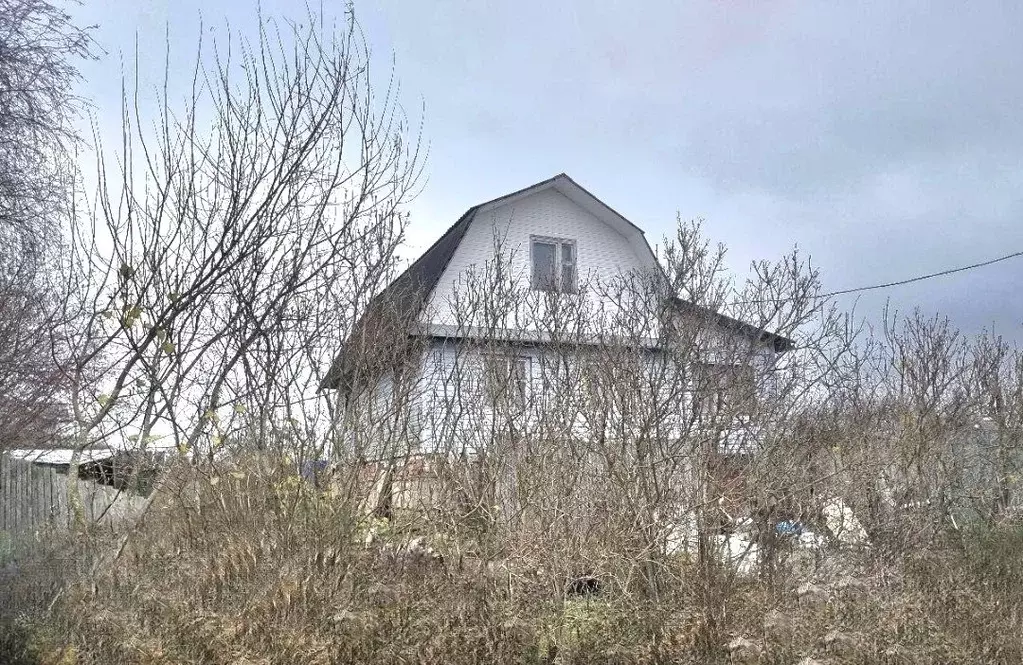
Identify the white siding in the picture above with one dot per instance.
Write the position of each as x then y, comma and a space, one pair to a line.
444, 414
457, 415
602, 252
453, 413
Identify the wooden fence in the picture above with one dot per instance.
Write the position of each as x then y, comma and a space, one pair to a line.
32, 496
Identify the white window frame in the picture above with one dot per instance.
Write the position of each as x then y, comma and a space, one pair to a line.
559, 263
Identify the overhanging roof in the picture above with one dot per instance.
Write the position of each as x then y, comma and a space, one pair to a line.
411, 290
780, 343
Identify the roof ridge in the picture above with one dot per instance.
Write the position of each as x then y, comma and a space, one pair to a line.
411, 290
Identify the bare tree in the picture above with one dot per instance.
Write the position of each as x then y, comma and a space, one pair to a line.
228, 252
620, 440
31, 380
40, 48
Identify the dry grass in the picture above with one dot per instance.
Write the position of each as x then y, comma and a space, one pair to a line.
271, 571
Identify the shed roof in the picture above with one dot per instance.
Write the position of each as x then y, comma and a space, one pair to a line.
60, 456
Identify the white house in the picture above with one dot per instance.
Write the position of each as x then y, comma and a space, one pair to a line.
468, 340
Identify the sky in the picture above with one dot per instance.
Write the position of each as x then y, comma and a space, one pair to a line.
883, 139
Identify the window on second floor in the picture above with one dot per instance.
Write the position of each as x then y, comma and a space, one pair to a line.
554, 265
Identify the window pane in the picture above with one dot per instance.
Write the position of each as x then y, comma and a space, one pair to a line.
520, 379
568, 277
728, 390
507, 380
567, 253
544, 258
496, 368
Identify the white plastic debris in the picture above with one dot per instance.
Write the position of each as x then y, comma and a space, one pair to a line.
811, 540
841, 521
739, 551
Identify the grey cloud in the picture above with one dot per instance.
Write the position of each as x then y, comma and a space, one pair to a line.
884, 138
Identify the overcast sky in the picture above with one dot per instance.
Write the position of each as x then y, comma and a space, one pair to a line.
885, 140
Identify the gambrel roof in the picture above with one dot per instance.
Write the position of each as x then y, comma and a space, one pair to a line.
409, 292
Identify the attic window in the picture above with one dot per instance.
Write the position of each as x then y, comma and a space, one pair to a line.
554, 265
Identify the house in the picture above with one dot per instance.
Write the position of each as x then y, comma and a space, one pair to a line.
534, 302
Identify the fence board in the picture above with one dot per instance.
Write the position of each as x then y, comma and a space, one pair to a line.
33, 495
5, 482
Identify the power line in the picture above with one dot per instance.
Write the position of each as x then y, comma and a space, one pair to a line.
921, 278
886, 285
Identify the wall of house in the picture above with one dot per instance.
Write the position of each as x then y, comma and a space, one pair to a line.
454, 412
602, 251
387, 418
447, 407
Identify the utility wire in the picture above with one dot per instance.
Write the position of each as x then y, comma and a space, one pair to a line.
921, 278
901, 282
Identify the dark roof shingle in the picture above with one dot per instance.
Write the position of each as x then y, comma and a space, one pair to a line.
409, 292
